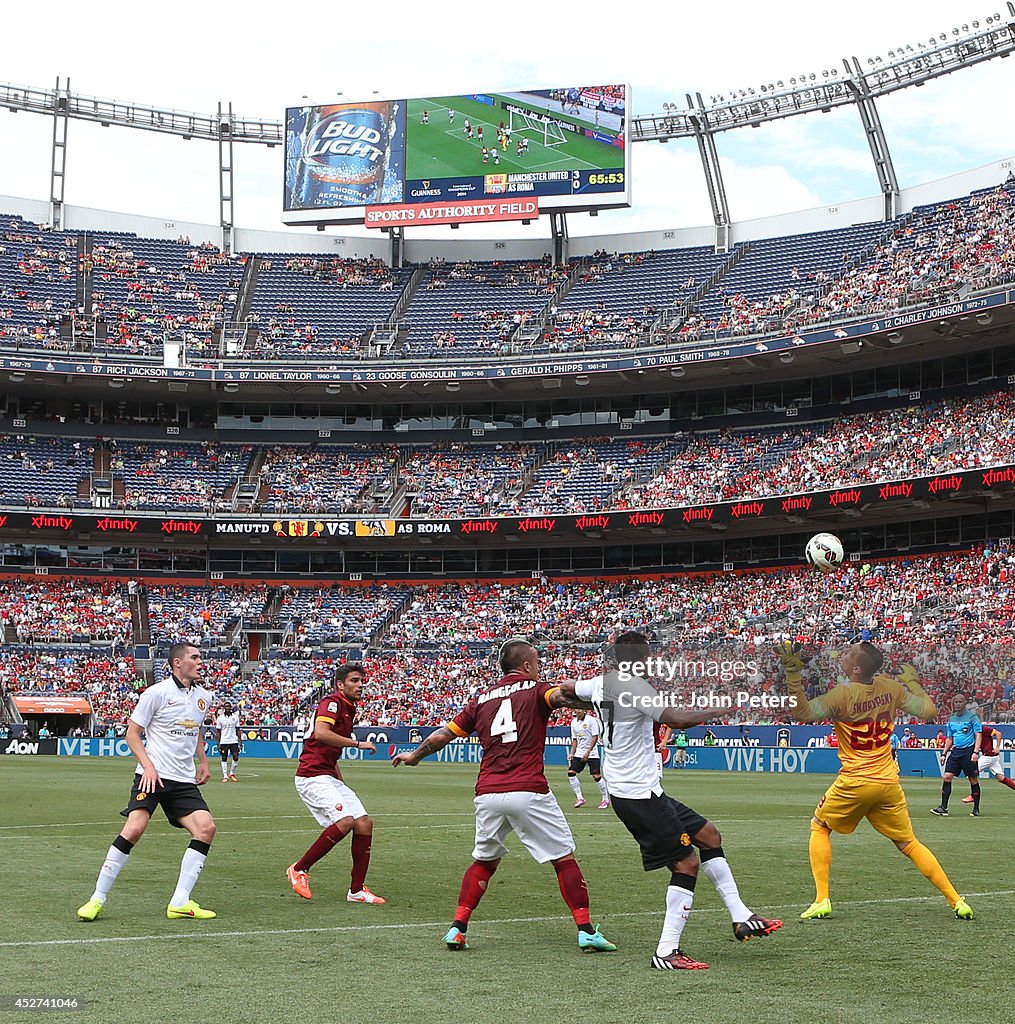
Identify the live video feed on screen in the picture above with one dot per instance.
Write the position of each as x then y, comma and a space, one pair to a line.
564, 145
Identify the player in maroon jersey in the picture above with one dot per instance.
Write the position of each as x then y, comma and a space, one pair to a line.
512, 794
321, 787
989, 762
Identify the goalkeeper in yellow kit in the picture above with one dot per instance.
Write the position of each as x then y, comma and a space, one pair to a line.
867, 785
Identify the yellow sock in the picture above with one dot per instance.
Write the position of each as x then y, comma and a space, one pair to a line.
820, 849
929, 866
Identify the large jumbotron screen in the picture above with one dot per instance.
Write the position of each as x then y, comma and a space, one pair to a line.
565, 147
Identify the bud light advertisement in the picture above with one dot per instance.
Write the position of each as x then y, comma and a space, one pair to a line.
347, 154
564, 148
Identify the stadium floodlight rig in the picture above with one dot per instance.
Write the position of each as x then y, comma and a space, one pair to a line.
905, 66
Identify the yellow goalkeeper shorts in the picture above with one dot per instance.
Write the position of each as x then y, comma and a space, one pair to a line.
883, 804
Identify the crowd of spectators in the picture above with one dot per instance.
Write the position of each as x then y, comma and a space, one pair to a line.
322, 480
953, 615
201, 614
64, 610
175, 476
141, 296
893, 444
935, 255
462, 480
109, 681
37, 269
514, 477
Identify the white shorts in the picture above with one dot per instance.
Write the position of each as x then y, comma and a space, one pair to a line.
536, 818
990, 765
328, 799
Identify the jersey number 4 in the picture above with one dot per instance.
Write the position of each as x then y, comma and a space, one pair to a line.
503, 724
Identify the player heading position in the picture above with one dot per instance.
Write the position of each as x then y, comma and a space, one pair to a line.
867, 786
227, 735
961, 753
666, 831
169, 716
585, 752
512, 794
321, 787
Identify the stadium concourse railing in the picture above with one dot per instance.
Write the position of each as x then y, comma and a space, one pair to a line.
356, 368
116, 527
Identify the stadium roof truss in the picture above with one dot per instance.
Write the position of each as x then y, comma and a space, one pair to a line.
906, 66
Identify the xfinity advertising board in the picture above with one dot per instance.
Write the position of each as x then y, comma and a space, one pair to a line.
455, 159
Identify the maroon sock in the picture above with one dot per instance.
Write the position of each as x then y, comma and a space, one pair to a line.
1007, 782
574, 890
360, 860
323, 844
474, 885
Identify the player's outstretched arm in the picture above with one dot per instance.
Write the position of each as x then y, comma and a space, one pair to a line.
437, 740
804, 710
565, 696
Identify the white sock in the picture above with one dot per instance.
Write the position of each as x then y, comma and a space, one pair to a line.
115, 860
576, 786
678, 909
190, 870
232, 771
601, 783
717, 871
225, 770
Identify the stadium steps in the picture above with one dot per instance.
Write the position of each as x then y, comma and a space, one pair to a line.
248, 286
398, 330
674, 315
272, 605
140, 624
83, 277
392, 617
531, 331
250, 490
893, 228
548, 452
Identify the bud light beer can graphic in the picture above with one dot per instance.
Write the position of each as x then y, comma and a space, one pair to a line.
345, 156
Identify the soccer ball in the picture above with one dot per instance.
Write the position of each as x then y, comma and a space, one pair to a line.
824, 552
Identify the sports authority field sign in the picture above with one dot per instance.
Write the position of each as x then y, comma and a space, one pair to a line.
464, 212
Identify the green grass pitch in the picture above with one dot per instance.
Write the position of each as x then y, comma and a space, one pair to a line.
440, 149
891, 951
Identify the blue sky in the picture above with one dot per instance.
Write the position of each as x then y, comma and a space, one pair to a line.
190, 56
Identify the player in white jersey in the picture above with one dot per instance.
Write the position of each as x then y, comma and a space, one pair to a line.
666, 830
227, 727
169, 714
585, 752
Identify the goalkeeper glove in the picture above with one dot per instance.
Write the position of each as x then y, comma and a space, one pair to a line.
908, 676
790, 658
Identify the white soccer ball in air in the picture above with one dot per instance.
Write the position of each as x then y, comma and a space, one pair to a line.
824, 552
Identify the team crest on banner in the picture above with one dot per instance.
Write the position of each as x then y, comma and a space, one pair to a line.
495, 184
297, 528
375, 528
